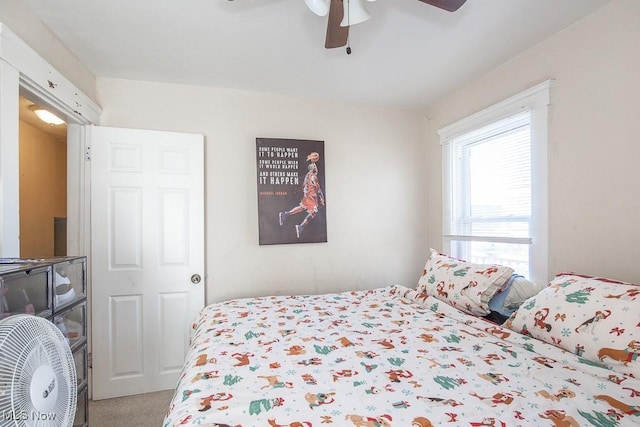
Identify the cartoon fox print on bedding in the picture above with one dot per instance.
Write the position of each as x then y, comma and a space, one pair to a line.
387, 357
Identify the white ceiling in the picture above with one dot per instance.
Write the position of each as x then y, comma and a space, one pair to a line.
408, 55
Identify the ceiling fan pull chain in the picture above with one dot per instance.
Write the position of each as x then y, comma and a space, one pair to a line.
349, 36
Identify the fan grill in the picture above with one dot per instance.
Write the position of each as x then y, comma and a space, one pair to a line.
26, 344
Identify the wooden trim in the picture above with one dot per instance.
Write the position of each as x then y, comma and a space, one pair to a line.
23, 69
9, 162
532, 98
40, 78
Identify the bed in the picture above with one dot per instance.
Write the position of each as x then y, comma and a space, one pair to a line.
396, 356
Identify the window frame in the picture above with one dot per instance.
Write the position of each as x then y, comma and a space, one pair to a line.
536, 100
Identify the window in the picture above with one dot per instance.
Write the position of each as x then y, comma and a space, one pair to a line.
495, 184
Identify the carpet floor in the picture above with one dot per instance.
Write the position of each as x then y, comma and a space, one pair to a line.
142, 410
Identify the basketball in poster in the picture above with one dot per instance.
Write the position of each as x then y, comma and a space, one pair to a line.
291, 191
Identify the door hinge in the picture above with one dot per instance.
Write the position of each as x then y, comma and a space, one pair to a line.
89, 361
87, 153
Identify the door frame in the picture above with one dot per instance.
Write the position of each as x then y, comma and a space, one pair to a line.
24, 71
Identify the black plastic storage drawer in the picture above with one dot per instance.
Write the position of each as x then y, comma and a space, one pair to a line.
82, 411
25, 288
69, 284
71, 323
80, 360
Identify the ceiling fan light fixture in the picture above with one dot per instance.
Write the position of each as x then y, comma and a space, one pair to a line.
46, 116
319, 7
354, 13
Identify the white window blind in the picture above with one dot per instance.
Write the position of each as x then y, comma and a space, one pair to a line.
488, 209
492, 172
495, 184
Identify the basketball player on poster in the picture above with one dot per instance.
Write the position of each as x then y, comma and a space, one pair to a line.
312, 196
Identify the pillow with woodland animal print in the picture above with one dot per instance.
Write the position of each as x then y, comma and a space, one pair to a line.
468, 287
593, 317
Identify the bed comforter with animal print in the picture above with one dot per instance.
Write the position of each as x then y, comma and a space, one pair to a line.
384, 357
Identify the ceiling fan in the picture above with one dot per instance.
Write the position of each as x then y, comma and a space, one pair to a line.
344, 13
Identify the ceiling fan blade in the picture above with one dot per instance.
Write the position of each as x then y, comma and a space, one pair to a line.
448, 5
336, 35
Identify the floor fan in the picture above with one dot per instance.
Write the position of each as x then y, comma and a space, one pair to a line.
37, 374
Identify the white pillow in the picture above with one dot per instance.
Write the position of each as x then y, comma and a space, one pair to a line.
521, 290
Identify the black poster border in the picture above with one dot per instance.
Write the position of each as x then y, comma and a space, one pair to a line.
291, 191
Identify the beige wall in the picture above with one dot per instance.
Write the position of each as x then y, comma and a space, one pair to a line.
374, 185
43, 189
383, 181
594, 178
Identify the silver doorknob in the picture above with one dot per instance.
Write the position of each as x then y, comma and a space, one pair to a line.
195, 279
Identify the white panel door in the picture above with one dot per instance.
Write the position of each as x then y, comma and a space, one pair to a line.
147, 256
